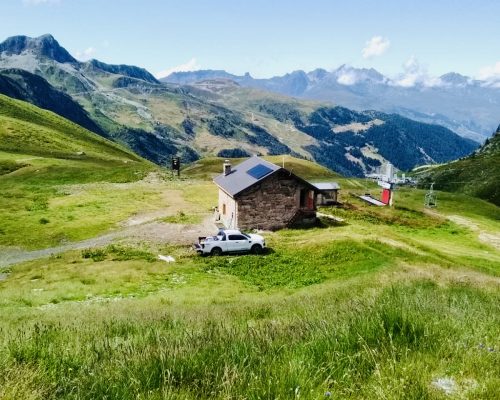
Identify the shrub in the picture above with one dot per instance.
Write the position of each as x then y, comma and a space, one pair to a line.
94, 254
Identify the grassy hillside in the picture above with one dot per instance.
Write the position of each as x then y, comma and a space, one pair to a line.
27, 129
43, 158
392, 303
477, 175
212, 166
23, 85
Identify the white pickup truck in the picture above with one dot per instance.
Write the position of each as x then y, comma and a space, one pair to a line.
230, 241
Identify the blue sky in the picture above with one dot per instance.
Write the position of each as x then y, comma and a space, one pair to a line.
270, 37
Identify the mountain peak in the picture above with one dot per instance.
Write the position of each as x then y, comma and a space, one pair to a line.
455, 78
47, 38
42, 46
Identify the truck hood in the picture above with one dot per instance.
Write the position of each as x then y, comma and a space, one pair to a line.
256, 237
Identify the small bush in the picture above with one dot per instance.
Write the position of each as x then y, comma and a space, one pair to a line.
94, 254
8, 166
124, 253
43, 221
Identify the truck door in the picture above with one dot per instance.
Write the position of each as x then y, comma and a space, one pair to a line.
237, 243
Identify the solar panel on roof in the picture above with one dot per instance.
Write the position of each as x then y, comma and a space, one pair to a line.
259, 171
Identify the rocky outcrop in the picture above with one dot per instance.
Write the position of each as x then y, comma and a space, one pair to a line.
43, 46
125, 70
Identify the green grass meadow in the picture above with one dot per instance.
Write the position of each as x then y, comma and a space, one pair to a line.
385, 304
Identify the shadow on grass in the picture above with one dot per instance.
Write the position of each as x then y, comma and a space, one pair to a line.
266, 251
320, 222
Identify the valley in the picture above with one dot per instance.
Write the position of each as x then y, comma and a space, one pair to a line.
159, 120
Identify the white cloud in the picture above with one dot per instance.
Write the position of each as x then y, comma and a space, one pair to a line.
86, 54
347, 78
416, 74
40, 2
490, 73
376, 46
347, 75
191, 65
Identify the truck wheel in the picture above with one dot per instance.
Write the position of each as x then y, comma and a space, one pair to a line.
216, 251
256, 249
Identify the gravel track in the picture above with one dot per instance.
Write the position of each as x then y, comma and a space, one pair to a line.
144, 228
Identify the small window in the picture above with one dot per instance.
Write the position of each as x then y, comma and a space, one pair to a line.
237, 237
223, 209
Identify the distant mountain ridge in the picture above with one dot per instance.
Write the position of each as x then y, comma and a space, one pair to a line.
160, 120
126, 70
468, 107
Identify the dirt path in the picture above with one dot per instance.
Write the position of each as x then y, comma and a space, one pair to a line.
140, 228
492, 239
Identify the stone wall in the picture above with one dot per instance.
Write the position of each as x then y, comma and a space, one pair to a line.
271, 204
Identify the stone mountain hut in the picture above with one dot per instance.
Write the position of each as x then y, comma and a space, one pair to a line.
257, 194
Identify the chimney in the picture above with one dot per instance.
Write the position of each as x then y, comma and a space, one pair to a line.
227, 167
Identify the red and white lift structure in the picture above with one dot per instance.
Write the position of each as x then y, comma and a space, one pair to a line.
387, 181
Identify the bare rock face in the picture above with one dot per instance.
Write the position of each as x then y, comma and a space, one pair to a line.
43, 46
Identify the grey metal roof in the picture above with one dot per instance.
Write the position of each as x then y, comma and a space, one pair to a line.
238, 180
326, 185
